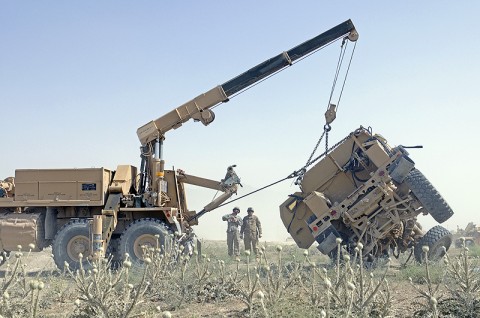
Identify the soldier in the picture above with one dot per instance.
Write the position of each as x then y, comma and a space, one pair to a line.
233, 235
251, 231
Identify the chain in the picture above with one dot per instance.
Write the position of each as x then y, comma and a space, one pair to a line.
315, 148
326, 152
326, 129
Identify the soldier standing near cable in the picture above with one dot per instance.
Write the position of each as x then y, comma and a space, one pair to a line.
251, 231
233, 235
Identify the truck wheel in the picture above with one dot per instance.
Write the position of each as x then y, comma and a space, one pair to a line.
142, 234
428, 196
438, 239
72, 239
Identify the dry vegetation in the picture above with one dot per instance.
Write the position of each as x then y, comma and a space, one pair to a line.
283, 282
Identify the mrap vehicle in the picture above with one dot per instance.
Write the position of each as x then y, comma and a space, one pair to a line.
365, 191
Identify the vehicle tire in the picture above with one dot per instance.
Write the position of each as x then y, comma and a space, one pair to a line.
143, 233
72, 239
438, 239
428, 196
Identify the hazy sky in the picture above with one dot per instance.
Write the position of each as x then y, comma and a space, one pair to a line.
77, 78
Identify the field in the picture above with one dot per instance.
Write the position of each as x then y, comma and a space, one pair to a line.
284, 281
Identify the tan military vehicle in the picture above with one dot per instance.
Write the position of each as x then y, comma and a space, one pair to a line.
98, 212
469, 236
365, 191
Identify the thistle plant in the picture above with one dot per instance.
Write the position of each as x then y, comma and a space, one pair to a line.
14, 283
463, 282
103, 292
171, 284
251, 287
277, 282
174, 276
431, 294
354, 292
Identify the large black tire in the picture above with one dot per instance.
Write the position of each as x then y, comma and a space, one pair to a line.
428, 196
438, 239
72, 239
142, 233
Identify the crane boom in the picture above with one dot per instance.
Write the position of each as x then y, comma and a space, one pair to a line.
199, 108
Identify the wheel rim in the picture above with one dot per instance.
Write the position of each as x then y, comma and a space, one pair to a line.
78, 244
144, 240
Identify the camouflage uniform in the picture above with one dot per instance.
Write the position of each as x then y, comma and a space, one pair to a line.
233, 235
251, 231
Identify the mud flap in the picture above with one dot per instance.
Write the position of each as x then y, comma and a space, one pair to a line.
327, 240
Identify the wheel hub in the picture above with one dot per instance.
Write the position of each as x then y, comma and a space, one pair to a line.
142, 242
78, 244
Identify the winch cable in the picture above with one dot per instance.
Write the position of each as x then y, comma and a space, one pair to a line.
294, 174
300, 172
346, 74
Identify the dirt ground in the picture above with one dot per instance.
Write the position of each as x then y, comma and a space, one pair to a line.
36, 262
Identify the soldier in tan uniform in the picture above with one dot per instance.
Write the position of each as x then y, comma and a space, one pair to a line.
251, 231
233, 234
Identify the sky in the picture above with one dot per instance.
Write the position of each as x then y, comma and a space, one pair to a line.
77, 78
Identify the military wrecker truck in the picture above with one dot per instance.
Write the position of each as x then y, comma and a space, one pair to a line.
100, 212
469, 236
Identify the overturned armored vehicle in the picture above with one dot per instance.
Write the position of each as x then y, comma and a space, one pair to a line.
365, 191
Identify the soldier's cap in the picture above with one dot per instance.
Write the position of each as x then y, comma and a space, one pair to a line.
250, 210
236, 209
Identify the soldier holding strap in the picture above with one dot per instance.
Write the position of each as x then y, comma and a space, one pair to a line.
233, 235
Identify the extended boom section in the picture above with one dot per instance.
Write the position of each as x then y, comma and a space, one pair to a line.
198, 108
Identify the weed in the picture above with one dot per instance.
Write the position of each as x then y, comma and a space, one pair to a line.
431, 293
283, 282
463, 283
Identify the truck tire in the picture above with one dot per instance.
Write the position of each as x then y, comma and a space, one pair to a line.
72, 239
143, 233
438, 239
428, 196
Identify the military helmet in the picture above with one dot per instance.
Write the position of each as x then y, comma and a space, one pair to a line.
250, 209
236, 209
